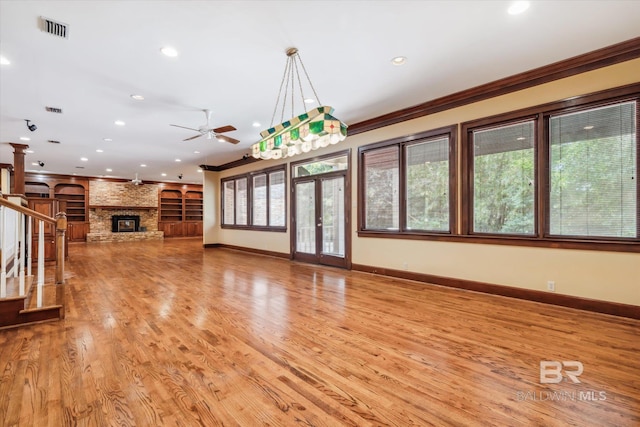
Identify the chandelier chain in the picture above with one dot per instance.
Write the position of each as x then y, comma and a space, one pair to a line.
308, 79
299, 83
275, 107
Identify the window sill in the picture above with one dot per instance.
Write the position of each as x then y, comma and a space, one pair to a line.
547, 242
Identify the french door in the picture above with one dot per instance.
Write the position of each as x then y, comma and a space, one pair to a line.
320, 219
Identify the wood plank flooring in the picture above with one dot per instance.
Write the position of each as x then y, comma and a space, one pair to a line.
172, 334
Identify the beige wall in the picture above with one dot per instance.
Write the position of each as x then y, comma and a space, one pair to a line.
608, 276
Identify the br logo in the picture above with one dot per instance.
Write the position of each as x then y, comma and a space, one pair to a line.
551, 371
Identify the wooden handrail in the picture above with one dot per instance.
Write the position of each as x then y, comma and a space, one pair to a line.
27, 211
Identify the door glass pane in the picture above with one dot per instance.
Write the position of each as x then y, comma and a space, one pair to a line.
333, 216
321, 166
306, 217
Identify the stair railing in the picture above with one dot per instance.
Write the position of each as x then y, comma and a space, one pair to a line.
15, 245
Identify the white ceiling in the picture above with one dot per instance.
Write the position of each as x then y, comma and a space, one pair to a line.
231, 61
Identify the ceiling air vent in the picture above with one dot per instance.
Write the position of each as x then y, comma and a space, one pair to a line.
53, 141
54, 110
52, 27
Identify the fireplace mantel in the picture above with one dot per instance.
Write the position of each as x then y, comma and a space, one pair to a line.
111, 207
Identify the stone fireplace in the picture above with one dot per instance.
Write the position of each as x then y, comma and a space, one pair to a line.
122, 212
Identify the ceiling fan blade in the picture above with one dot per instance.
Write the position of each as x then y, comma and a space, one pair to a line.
227, 139
223, 129
184, 127
193, 137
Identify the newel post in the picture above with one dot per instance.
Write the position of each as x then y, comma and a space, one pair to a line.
61, 228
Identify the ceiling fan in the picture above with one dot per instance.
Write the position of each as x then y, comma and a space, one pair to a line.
211, 132
136, 180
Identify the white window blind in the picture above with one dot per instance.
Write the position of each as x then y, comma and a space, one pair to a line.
593, 172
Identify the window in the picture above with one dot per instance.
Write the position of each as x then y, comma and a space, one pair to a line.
562, 174
592, 172
503, 179
256, 200
241, 201
277, 199
228, 202
260, 199
407, 185
382, 170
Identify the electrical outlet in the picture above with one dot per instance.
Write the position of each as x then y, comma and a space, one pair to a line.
405, 266
551, 286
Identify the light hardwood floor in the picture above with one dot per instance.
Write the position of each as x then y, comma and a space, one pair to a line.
172, 334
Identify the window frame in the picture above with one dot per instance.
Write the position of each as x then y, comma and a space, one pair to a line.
450, 132
468, 176
543, 113
250, 195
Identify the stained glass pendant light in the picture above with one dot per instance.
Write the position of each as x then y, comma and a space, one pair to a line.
314, 129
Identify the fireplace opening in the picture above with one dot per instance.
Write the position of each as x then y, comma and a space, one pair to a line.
125, 223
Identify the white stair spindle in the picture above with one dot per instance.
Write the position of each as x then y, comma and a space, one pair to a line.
40, 263
21, 242
3, 253
29, 243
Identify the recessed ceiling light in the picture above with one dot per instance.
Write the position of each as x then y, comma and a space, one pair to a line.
109, 170
163, 174
119, 123
30, 151
178, 160
169, 51
143, 165
137, 97
309, 101
588, 127
518, 7
199, 170
4, 61
84, 159
24, 138
399, 60
196, 152
256, 125
99, 151
107, 139
522, 138
34, 163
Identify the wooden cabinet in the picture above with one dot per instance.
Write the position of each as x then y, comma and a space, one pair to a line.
77, 232
73, 198
72, 194
181, 212
48, 207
